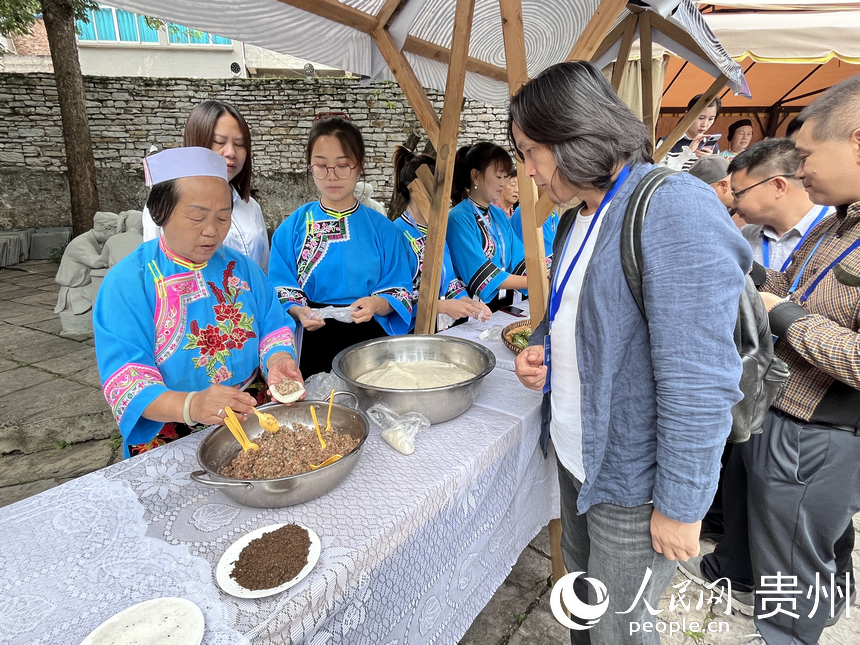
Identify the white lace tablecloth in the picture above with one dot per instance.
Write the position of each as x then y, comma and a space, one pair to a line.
413, 547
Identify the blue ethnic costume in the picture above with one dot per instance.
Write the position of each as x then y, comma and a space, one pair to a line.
550, 226
322, 257
484, 249
165, 323
450, 286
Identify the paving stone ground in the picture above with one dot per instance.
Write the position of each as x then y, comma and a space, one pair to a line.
55, 425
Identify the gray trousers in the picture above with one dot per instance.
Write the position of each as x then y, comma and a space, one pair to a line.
612, 544
802, 488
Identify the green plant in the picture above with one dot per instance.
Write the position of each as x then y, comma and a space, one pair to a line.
699, 635
56, 253
116, 442
520, 618
63, 444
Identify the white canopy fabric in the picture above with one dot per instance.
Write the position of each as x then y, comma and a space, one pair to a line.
552, 27
784, 5
800, 37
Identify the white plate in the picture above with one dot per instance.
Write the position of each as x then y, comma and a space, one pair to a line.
154, 622
228, 560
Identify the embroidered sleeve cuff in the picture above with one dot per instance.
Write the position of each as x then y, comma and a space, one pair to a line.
520, 269
456, 290
281, 340
782, 315
290, 297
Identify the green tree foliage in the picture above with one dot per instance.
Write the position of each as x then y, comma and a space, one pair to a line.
17, 16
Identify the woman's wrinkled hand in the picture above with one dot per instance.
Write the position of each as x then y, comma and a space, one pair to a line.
207, 406
282, 365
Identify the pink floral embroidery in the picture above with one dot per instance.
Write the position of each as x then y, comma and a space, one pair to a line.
282, 337
221, 374
171, 311
232, 330
126, 383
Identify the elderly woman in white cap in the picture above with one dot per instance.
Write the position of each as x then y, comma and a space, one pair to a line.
183, 324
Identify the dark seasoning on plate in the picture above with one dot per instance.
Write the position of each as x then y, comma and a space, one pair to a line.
273, 558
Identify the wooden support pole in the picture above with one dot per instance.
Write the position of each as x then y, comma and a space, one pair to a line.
558, 568
684, 124
630, 23
646, 68
515, 55
409, 83
420, 189
595, 31
383, 17
543, 208
446, 150
337, 12
433, 51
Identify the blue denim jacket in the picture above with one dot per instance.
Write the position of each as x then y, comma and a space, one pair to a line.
657, 395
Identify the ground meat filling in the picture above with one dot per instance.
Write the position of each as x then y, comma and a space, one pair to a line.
290, 451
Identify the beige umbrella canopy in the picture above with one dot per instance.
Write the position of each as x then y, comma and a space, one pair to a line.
481, 49
789, 57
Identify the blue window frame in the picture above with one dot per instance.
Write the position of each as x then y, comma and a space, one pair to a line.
117, 25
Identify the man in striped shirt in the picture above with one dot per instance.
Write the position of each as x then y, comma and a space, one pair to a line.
797, 485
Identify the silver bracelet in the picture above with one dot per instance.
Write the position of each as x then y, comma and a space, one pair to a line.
186, 409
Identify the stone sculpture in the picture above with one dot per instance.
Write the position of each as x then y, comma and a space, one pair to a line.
81, 258
123, 243
364, 194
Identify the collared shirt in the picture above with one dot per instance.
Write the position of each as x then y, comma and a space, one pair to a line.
821, 345
780, 247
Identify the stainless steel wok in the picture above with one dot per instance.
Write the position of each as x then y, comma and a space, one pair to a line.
218, 449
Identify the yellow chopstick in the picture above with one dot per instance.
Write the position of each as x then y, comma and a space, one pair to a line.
248, 444
328, 420
317, 426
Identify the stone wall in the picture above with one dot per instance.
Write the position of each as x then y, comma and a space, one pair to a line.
128, 115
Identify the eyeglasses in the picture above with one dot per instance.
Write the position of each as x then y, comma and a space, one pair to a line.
740, 193
341, 171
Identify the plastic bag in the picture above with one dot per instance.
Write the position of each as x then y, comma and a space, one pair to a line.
493, 333
341, 314
399, 431
319, 386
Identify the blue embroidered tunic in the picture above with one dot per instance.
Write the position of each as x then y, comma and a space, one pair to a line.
164, 323
484, 249
450, 286
550, 226
333, 258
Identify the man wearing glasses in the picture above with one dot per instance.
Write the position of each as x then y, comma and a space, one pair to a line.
777, 209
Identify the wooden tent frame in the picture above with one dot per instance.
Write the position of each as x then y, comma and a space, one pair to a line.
432, 191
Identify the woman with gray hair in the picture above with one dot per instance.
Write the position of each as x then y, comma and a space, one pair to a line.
638, 410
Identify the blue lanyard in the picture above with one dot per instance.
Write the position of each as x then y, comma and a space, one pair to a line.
558, 288
443, 284
497, 236
821, 275
765, 243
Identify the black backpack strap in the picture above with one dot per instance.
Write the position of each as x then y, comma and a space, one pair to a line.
631, 231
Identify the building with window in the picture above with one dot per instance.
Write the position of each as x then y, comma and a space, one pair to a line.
115, 42
120, 43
